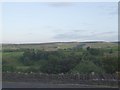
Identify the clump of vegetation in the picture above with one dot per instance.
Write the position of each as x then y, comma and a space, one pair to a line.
6, 68
86, 67
110, 63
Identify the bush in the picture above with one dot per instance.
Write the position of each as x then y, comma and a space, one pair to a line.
86, 67
8, 68
58, 66
110, 63
94, 51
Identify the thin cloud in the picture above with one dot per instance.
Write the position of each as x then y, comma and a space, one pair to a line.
104, 33
60, 4
75, 35
111, 9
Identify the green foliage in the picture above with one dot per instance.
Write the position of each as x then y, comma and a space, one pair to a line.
76, 59
33, 69
110, 63
28, 57
59, 66
11, 58
94, 51
8, 68
111, 51
86, 67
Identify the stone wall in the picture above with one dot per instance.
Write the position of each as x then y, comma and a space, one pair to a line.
106, 79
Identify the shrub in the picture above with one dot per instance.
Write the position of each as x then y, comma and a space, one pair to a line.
6, 68
86, 67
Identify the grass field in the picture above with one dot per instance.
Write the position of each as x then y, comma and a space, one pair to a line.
62, 45
46, 46
11, 58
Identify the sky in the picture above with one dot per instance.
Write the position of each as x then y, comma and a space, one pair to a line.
41, 22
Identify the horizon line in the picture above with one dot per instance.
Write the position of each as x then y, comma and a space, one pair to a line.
57, 42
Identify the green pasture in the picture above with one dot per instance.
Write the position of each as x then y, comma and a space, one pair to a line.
11, 58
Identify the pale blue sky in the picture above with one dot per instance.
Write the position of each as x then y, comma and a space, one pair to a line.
56, 22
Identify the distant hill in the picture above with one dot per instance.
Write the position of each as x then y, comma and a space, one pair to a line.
59, 45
